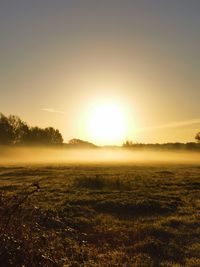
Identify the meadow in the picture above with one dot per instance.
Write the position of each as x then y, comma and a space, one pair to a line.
100, 215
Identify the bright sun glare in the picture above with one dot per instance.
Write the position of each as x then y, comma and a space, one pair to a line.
107, 124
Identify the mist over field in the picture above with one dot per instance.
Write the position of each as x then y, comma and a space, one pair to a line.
23, 155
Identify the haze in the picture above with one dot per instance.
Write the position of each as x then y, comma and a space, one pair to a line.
38, 155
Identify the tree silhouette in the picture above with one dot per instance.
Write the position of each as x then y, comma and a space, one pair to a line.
53, 136
6, 132
15, 131
47, 136
128, 143
36, 136
197, 137
20, 129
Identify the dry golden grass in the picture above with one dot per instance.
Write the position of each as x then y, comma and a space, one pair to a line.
100, 215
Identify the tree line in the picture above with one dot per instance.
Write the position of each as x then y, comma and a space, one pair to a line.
167, 146
14, 131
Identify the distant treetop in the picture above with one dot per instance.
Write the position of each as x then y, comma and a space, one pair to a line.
75, 142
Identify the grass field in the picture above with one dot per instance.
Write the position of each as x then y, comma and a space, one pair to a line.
100, 215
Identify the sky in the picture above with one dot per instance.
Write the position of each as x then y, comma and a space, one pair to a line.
62, 59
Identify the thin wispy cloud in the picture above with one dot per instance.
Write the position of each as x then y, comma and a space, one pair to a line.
175, 124
52, 110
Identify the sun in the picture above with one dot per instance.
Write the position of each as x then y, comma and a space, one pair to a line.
107, 124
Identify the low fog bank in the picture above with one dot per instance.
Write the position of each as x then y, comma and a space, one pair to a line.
28, 155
